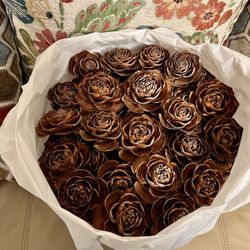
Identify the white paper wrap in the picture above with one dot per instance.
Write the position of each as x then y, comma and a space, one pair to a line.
20, 147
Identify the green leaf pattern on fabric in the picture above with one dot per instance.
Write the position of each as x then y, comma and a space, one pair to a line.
28, 41
108, 16
108, 21
29, 58
27, 47
201, 37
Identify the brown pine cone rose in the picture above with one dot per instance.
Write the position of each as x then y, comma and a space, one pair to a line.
95, 160
123, 213
140, 135
85, 62
223, 135
183, 68
178, 114
188, 147
102, 128
99, 92
145, 90
215, 98
80, 192
166, 211
61, 121
118, 176
153, 56
63, 95
157, 177
202, 181
120, 61
62, 156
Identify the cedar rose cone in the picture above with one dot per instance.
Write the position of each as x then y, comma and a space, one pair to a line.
153, 56
188, 147
125, 214
120, 61
63, 95
177, 114
80, 192
140, 135
85, 62
183, 68
62, 156
99, 92
202, 181
145, 90
215, 98
95, 160
157, 177
103, 129
61, 121
223, 135
166, 211
117, 176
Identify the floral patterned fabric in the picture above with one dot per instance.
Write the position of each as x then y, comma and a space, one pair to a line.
38, 24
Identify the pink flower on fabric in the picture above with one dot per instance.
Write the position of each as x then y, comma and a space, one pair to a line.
46, 38
207, 14
181, 8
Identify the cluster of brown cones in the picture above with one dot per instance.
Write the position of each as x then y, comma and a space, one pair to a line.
138, 140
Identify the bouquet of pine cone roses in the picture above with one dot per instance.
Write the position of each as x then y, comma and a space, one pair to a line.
138, 139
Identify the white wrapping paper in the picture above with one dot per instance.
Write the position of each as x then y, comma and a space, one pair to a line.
20, 147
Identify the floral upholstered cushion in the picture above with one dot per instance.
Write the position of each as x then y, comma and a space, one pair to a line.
39, 23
